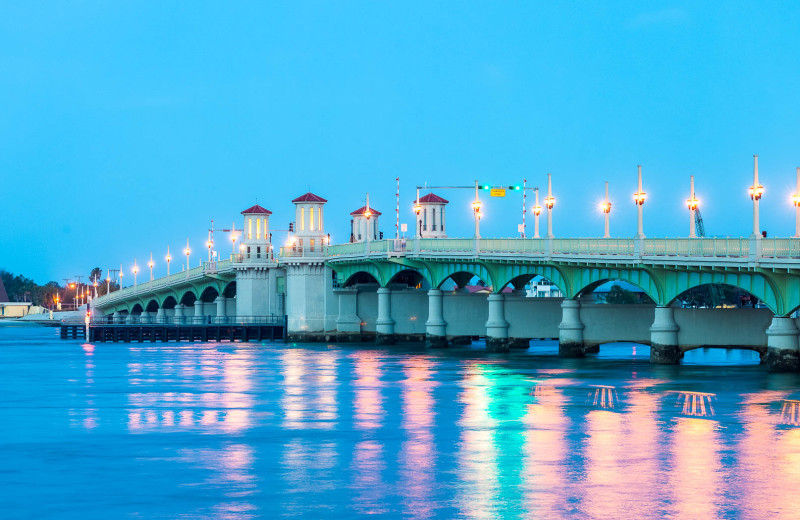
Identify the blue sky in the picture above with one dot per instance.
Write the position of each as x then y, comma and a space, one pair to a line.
127, 126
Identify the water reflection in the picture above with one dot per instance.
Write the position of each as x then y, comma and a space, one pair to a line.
278, 431
477, 455
696, 473
418, 452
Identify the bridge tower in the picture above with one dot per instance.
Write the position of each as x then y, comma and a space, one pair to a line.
431, 218
309, 283
364, 227
256, 270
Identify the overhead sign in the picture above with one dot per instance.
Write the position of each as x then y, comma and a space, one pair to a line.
498, 192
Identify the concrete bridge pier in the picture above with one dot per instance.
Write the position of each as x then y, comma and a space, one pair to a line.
179, 313
348, 324
435, 327
496, 326
384, 326
117, 317
199, 312
664, 337
144, 317
570, 330
161, 315
129, 318
222, 311
783, 354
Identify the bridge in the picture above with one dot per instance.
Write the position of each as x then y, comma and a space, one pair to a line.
394, 289
417, 289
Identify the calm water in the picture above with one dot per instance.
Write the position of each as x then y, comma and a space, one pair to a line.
327, 431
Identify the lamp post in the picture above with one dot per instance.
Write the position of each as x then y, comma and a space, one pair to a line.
755, 191
417, 211
108, 281
169, 259
537, 210
209, 244
476, 209
150, 265
796, 202
121, 274
692, 204
233, 238
549, 202
639, 198
186, 252
135, 271
605, 207
367, 215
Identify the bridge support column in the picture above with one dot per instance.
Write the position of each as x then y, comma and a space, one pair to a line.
782, 345
570, 330
179, 313
117, 317
129, 318
161, 315
497, 326
199, 312
222, 310
384, 326
664, 337
435, 327
348, 324
144, 317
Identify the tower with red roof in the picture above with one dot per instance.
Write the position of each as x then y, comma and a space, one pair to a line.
430, 219
365, 224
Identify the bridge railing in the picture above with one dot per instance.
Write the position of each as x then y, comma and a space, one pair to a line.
704, 247
150, 286
780, 247
593, 246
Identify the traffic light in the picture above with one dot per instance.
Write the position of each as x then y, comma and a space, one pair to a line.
516, 187
291, 227
485, 187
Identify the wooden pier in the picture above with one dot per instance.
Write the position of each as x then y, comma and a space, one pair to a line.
270, 328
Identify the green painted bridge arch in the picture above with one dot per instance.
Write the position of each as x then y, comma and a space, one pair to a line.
779, 290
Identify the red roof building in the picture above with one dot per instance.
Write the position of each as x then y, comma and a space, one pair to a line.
432, 198
309, 197
360, 211
257, 210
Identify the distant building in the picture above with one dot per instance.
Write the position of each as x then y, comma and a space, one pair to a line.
14, 309
3, 293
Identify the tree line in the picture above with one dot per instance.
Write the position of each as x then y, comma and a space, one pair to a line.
23, 289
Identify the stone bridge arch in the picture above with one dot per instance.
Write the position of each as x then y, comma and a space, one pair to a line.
760, 286
588, 279
516, 274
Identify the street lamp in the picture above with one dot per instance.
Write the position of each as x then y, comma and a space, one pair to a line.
796, 202
476, 209
150, 265
605, 207
639, 198
169, 259
135, 271
417, 211
367, 215
233, 239
549, 202
692, 203
755, 191
121, 274
209, 245
186, 252
108, 281
537, 210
